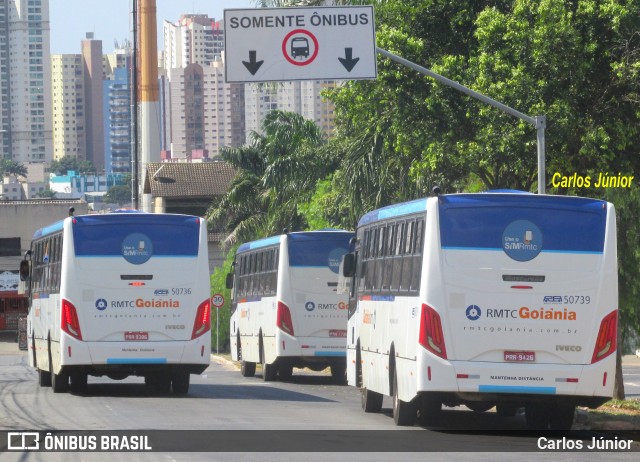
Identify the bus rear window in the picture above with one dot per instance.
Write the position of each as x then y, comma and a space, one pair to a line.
319, 249
177, 237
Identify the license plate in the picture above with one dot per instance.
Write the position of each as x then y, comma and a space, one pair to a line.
136, 336
520, 356
338, 333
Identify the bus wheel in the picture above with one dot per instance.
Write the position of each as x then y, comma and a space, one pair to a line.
60, 382
158, 382
78, 382
506, 409
537, 416
269, 371
180, 383
44, 378
479, 406
338, 373
404, 414
429, 410
561, 416
247, 369
370, 400
285, 369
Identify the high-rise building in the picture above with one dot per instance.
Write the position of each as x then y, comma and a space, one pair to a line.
67, 82
211, 111
117, 117
93, 92
303, 97
25, 76
202, 112
194, 39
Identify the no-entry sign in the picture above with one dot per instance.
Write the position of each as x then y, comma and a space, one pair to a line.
302, 43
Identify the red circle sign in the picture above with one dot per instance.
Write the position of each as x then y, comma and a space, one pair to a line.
299, 46
217, 300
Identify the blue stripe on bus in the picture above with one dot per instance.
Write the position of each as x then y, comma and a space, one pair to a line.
267, 241
53, 228
516, 389
579, 252
330, 353
404, 208
136, 360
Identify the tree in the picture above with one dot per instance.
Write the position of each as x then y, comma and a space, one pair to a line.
11, 167
277, 172
66, 163
119, 194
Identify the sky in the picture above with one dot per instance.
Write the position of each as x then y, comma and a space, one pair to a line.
110, 20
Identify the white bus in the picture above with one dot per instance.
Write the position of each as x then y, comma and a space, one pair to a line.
286, 309
116, 295
500, 299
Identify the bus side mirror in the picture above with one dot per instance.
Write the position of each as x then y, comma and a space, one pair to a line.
349, 265
229, 281
24, 270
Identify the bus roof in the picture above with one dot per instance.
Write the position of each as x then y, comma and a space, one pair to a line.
489, 197
273, 240
125, 216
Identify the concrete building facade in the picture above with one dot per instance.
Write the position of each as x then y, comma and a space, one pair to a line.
25, 81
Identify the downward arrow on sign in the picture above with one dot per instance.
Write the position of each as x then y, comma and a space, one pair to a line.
348, 62
252, 65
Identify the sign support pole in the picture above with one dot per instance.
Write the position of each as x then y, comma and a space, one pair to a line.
539, 121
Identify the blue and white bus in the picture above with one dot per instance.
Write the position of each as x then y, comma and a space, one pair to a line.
491, 299
116, 295
286, 309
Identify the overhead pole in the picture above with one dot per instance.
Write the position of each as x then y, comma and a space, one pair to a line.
539, 122
133, 68
149, 95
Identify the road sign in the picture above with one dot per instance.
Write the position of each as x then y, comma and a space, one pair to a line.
217, 300
301, 43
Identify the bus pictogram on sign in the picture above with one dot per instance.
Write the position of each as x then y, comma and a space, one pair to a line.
300, 47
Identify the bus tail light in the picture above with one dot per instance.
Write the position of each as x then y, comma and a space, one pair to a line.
283, 319
607, 337
69, 321
203, 319
431, 336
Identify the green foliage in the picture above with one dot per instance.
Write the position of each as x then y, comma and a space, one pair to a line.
11, 167
66, 163
627, 203
220, 319
120, 194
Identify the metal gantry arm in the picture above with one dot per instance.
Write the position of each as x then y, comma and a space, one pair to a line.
539, 122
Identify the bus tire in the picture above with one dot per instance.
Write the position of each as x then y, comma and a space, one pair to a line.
269, 371
180, 383
339, 373
537, 416
506, 409
479, 406
430, 410
371, 401
561, 416
78, 381
44, 378
247, 369
404, 413
60, 382
285, 369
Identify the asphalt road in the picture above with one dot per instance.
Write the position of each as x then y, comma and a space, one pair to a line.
258, 420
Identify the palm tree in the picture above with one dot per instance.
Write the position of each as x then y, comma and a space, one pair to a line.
11, 167
277, 171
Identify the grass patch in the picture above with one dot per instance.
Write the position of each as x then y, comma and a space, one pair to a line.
617, 406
